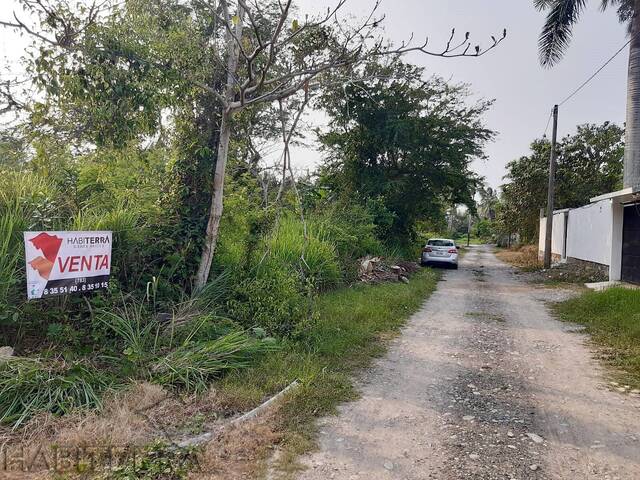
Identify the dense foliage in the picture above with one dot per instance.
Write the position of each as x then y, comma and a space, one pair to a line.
122, 136
401, 146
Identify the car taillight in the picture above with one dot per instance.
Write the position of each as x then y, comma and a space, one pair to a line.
453, 250
427, 249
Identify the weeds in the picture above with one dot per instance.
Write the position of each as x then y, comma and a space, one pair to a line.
524, 257
192, 366
139, 335
156, 461
29, 386
350, 330
613, 320
313, 255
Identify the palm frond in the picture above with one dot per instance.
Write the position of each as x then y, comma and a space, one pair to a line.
557, 31
542, 5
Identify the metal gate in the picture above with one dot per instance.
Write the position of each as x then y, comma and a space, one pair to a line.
631, 244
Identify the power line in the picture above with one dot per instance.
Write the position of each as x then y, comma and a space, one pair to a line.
586, 82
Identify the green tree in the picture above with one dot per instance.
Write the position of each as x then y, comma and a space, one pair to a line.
589, 164
403, 143
555, 38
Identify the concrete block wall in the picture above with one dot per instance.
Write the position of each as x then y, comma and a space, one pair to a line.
581, 233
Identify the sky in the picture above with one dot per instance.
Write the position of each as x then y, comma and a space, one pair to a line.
524, 92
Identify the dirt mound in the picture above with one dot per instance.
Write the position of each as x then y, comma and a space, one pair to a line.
378, 269
572, 272
524, 257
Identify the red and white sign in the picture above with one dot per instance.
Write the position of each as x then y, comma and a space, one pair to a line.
61, 263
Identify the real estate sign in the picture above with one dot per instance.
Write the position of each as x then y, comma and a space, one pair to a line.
61, 263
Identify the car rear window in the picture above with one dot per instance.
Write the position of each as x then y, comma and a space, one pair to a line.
440, 243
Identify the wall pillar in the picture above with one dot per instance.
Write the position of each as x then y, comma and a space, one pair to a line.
617, 221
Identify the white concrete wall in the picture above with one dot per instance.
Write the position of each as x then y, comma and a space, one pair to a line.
589, 232
557, 234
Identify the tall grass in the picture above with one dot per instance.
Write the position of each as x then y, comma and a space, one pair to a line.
29, 386
314, 256
138, 334
193, 365
10, 224
23, 201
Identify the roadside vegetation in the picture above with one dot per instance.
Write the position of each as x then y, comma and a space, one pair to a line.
612, 319
589, 163
353, 326
207, 315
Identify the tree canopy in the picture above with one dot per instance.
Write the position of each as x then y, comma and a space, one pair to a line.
402, 144
589, 163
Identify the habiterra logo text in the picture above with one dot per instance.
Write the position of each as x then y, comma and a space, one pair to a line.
60, 263
88, 240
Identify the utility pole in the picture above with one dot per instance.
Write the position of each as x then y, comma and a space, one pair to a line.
551, 191
468, 228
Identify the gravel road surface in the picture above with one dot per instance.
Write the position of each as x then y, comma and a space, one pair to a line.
483, 383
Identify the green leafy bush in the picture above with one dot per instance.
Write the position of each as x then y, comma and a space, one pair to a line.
29, 386
353, 232
274, 299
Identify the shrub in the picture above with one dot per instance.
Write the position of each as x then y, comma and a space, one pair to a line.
274, 299
351, 229
29, 386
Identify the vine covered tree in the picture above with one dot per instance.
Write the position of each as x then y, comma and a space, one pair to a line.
403, 145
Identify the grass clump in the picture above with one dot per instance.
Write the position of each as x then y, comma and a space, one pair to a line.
29, 386
612, 317
194, 365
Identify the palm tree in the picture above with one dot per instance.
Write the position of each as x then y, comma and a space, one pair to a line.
555, 37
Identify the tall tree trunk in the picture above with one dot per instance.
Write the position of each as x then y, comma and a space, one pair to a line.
632, 141
217, 194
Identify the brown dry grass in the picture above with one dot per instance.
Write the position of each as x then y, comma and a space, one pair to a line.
524, 257
123, 420
136, 416
240, 452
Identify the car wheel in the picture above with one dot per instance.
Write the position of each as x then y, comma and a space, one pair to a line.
455, 266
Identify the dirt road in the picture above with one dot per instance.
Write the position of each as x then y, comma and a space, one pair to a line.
483, 383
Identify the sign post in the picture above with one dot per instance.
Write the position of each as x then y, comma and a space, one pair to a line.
63, 263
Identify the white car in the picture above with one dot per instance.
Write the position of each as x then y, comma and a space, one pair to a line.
441, 251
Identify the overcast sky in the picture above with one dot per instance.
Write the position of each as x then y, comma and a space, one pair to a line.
524, 92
